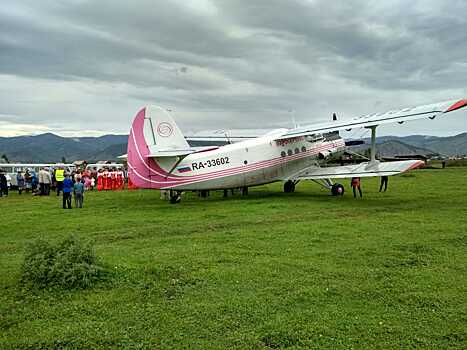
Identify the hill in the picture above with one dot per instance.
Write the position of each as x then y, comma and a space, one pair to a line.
49, 147
447, 146
392, 148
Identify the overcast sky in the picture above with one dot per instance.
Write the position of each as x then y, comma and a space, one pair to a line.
85, 67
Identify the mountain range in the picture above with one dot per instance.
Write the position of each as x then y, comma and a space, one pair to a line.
51, 148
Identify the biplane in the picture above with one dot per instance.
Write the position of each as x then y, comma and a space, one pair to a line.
160, 157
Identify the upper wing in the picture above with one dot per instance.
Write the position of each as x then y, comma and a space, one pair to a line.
178, 152
397, 116
225, 136
367, 169
218, 138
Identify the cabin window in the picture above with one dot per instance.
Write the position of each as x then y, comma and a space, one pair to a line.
245, 162
297, 150
283, 154
303, 149
289, 152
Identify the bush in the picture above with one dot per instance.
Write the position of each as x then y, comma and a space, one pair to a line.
70, 264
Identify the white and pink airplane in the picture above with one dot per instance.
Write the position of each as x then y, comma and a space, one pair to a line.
159, 156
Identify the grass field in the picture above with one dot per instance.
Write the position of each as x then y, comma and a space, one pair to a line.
272, 270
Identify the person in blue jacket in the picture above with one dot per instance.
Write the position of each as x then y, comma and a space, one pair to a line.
20, 181
67, 189
34, 182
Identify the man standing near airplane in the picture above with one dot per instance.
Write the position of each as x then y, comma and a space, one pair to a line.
59, 177
384, 182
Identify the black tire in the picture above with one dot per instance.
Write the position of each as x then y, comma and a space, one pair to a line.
337, 190
289, 187
175, 199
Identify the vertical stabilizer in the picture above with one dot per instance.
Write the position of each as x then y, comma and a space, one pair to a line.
161, 132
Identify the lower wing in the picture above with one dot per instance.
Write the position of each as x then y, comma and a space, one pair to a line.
366, 169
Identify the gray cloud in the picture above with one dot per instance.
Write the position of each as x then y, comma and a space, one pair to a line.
91, 65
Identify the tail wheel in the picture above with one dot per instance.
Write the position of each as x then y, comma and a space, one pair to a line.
289, 187
337, 190
175, 197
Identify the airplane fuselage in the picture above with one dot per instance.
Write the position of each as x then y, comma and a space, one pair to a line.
152, 163
248, 163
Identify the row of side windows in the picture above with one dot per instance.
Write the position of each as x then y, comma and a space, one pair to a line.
290, 152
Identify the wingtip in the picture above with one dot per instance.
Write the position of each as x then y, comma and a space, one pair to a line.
417, 164
458, 105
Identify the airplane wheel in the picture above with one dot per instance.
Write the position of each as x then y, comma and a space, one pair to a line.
176, 198
289, 187
337, 190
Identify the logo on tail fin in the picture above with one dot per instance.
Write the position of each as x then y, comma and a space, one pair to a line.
164, 129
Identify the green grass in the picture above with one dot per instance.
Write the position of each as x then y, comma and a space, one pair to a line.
272, 270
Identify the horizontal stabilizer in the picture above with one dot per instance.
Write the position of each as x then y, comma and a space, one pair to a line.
170, 153
366, 169
178, 152
219, 138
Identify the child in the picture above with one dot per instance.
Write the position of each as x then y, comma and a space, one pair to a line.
78, 191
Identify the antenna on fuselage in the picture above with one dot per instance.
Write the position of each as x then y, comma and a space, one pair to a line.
227, 137
225, 134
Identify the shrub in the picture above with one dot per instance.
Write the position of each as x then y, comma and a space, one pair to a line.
70, 264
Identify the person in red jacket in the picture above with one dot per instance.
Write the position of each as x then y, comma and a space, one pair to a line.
355, 183
100, 180
120, 180
106, 180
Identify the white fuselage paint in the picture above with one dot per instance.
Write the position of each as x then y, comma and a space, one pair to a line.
249, 163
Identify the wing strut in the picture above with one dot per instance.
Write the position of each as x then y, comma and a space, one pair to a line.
373, 143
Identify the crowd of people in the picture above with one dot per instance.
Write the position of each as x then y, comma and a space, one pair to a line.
61, 180
110, 179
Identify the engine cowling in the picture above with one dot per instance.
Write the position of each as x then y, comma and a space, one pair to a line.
327, 153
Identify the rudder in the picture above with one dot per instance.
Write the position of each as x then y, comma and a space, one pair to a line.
161, 132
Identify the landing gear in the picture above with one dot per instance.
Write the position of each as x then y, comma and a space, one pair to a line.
175, 197
289, 186
337, 190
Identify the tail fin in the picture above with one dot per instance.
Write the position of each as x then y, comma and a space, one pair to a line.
161, 132
153, 132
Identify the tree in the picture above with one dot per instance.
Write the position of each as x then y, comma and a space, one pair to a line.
5, 158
